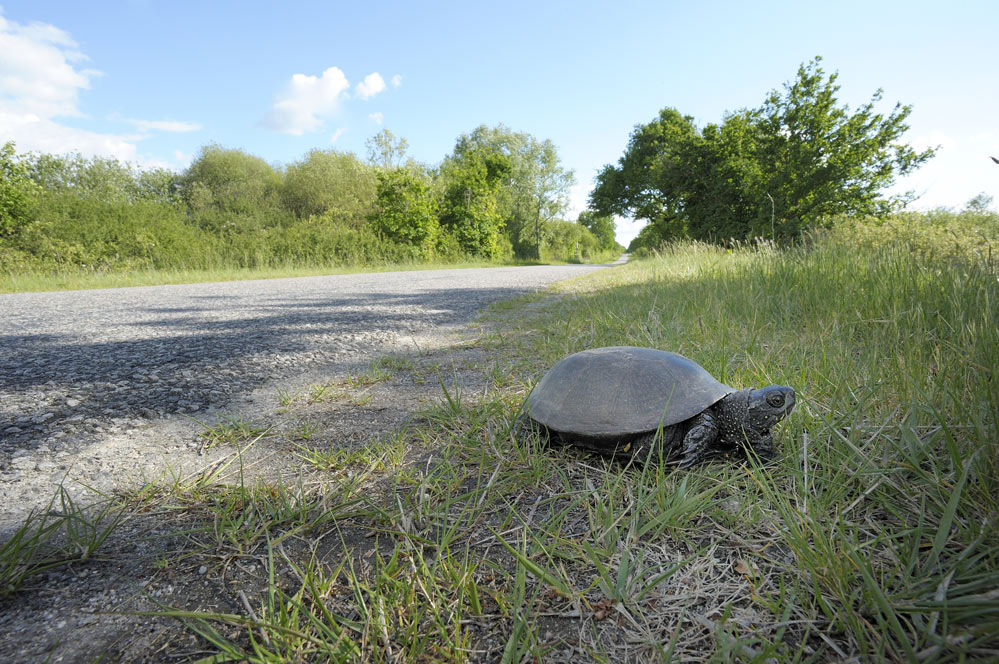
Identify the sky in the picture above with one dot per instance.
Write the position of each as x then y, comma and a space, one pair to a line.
152, 82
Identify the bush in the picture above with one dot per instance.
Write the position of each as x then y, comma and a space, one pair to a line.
17, 193
322, 240
568, 241
332, 182
406, 211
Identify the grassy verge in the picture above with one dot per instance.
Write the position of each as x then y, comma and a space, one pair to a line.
875, 537
81, 279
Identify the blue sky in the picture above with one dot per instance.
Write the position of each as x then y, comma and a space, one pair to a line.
151, 82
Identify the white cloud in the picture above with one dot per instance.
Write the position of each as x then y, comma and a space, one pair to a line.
377, 117
37, 76
39, 81
396, 81
370, 86
306, 101
165, 125
336, 135
33, 133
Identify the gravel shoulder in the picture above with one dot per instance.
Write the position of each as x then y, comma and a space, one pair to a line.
109, 388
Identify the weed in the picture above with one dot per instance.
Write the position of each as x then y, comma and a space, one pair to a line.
323, 392
231, 431
62, 533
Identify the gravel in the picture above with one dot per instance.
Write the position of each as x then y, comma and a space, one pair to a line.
97, 385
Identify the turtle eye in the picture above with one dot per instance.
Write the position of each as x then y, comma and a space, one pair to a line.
775, 400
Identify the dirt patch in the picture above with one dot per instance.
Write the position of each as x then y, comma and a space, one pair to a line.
163, 556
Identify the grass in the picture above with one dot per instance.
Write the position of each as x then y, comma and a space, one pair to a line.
82, 278
230, 431
63, 533
72, 278
874, 537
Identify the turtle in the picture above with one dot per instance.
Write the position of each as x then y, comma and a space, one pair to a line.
616, 400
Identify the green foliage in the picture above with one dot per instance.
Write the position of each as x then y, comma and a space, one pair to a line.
323, 240
826, 160
327, 181
470, 209
602, 227
536, 189
773, 171
407, 210
98, 177
230, 182
17, 192
231, 210
651, 174
386, 150
568, 241
979, 204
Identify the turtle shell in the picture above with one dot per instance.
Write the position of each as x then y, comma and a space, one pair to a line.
621, 390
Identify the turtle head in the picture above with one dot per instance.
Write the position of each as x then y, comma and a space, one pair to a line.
766, 407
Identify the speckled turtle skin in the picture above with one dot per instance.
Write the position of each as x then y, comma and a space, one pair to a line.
644, 404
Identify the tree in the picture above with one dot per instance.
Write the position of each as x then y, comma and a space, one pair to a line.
159, 184
470, 212
771, 171
330, 181
230, 181
602, 227
569, 241
386, 150
979, 204
406, 210
652, 177
536, 189
17, 192
826, 161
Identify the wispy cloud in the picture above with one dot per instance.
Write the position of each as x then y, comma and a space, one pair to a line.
306, 101
370, 86
336, 135
396, 81
377, 117
165, 125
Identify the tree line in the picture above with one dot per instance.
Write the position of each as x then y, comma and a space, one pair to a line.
499, 195
796, 162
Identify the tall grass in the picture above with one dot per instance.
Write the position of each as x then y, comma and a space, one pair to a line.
888, 491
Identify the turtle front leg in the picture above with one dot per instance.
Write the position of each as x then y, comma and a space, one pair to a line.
700, 438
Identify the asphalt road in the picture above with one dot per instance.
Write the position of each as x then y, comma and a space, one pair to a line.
81, 364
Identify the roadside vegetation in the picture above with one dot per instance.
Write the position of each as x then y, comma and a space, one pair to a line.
875, 535
499, 198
